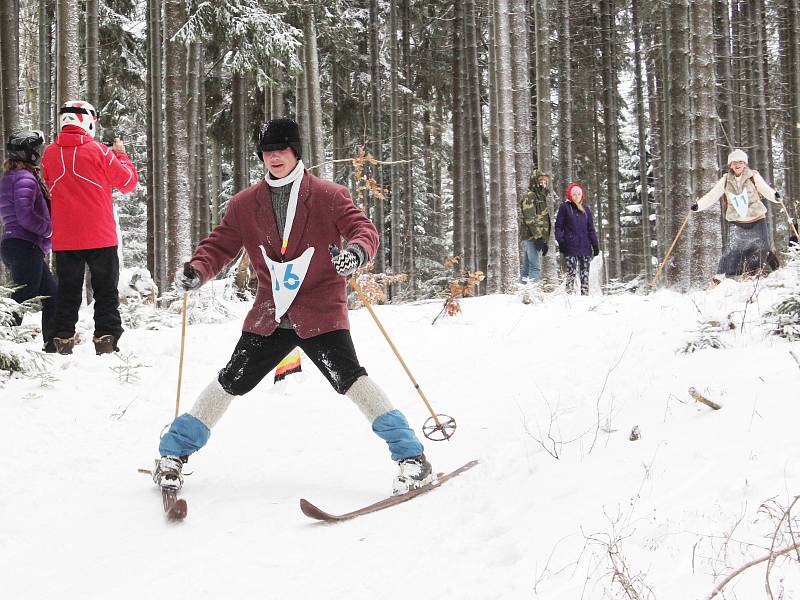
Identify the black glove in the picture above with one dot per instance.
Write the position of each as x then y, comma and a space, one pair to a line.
777, 195
187, 280
346, 263
694, 207
540, 245
595, 250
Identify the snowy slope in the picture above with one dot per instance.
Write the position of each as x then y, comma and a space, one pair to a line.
77, 521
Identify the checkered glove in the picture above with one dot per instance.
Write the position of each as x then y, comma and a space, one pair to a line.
188, 279
348, 261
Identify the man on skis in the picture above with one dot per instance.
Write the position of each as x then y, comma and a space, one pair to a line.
80, 173
286, 223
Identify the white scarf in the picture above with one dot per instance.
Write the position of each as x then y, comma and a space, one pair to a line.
295, 178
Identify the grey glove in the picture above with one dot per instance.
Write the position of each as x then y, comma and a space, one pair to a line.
346, 263
188, 279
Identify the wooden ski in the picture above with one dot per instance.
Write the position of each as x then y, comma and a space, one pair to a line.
316, 513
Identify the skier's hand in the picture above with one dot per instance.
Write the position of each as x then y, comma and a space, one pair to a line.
694, 207
595, 250
777, 195
118, 147
346, 263
188, 279
541, 245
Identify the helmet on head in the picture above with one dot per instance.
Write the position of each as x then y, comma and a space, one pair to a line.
25, 146
280, 134
79, 113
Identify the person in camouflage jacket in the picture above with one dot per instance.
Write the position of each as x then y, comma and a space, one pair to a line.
535, 225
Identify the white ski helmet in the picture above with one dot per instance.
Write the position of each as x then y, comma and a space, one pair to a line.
79, 113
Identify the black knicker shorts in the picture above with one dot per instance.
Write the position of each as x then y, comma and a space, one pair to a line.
256, 355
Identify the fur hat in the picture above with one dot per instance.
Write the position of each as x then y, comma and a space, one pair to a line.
280, 134
737, 155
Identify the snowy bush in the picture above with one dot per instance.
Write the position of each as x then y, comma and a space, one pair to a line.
783, 319
13, 357
707, 335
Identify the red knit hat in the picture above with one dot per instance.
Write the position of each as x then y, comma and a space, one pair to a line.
572, 186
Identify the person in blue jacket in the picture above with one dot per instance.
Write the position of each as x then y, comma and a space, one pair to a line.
25, 213
576, 237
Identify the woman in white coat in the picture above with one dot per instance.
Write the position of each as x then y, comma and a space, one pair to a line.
742, 191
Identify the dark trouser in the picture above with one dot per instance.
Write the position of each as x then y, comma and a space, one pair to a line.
256, 355
28, 268
104, 267
581, 265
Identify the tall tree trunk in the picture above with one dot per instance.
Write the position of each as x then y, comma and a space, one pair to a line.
705, 231
409, 239
544, 140
494, 273
192, 135
67, 54
92, 53
459, 169
238, 110
177, 175
477, 186
377, 134
9, 68
565, 143
156, 166
302, 115
45, 119
644, 195
612, 138
201, 175
680, 139
794, 94
474, 206
314, 96
521, 99
509, 247
394, 134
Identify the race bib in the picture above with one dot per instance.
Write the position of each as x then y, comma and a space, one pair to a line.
740, 202
287, 277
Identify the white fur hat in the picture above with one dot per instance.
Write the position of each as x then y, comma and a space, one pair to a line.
737, 155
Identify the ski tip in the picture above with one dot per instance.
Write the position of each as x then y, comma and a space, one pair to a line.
178, 511
310, 510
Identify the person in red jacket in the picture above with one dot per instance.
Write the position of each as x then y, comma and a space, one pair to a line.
80, 173
286, 223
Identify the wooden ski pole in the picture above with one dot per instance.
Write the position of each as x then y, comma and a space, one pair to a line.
666, 257
180, 360
368, 306
788, 218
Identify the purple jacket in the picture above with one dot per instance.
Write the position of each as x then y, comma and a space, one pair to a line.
575, 232
23, 209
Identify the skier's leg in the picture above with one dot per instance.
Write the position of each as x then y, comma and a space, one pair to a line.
251, 360
70, 267
571, 265
335, 356
104, 267
583, 267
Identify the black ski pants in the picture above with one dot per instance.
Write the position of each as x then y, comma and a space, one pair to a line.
256, 355
25, 260
103, 265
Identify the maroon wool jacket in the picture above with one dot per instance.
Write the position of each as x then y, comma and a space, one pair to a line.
325, 214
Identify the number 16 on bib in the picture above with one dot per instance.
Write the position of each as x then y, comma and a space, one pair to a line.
287, 277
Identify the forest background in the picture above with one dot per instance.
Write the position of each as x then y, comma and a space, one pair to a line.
445, 106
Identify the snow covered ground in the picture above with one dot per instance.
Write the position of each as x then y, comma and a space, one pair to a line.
545, 395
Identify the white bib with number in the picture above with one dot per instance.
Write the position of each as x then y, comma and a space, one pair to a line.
287, 277
741, 203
